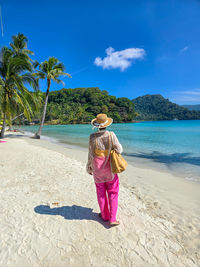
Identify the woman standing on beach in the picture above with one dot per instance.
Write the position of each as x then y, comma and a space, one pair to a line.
107, 183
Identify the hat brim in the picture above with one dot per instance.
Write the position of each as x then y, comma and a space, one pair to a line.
108, 123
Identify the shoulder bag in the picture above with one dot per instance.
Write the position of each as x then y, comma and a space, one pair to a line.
118, 163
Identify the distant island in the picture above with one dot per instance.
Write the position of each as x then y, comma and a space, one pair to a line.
192, 107
80, 105
156, 107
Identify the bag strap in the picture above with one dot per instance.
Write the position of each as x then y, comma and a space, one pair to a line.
109, 141
95, 143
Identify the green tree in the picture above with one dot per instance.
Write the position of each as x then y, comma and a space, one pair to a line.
15, 72
19, 46
104, 109
51, 70
93, 101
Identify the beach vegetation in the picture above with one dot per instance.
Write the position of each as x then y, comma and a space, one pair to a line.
19, 46
50, 70
15, 76
81, 105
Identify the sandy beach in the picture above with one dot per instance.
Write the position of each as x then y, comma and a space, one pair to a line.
49, 212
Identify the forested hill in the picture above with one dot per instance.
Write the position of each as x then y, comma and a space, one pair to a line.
81, 105
156, 107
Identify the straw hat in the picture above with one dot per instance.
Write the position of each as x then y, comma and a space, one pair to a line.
101, 121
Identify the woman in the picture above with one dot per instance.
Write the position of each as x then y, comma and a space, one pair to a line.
107, 183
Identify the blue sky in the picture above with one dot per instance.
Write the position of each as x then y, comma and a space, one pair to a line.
153, 47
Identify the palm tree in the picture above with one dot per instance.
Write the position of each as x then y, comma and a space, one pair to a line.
50, 70
13, 92
19, 46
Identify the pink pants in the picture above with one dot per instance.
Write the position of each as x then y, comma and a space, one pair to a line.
107, 196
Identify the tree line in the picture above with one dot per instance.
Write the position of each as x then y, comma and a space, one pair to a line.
81, 105
156, 107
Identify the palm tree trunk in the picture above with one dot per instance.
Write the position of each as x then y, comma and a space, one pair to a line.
3, 126
38, 134
18, 116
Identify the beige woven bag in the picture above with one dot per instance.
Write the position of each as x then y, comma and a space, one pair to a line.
118, 163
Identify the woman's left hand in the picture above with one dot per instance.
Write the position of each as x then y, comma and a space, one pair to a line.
90, 171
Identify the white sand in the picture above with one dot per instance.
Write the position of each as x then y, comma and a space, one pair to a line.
36, 232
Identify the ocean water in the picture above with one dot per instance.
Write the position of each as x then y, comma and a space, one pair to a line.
171, 145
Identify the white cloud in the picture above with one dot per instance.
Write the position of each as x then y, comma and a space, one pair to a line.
194, 92
184, 49
186, 97
119, 59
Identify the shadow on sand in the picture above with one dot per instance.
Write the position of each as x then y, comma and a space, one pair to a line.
72, 213
168, 159
13, 135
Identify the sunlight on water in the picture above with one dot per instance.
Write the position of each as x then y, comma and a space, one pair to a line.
168, 142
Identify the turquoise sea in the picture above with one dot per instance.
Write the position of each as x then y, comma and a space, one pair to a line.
170, 145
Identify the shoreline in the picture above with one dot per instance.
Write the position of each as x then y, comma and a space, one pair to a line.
159, 195
133, 160
134, 121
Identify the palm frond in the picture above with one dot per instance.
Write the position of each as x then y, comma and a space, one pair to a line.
58, 72
20, 40
27, 51
39, 74
19, 64
58, 81
59, 66
31, 80
35, 64
5, 56
13, 47
2, 83
21, 101
52, 61
44, 66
